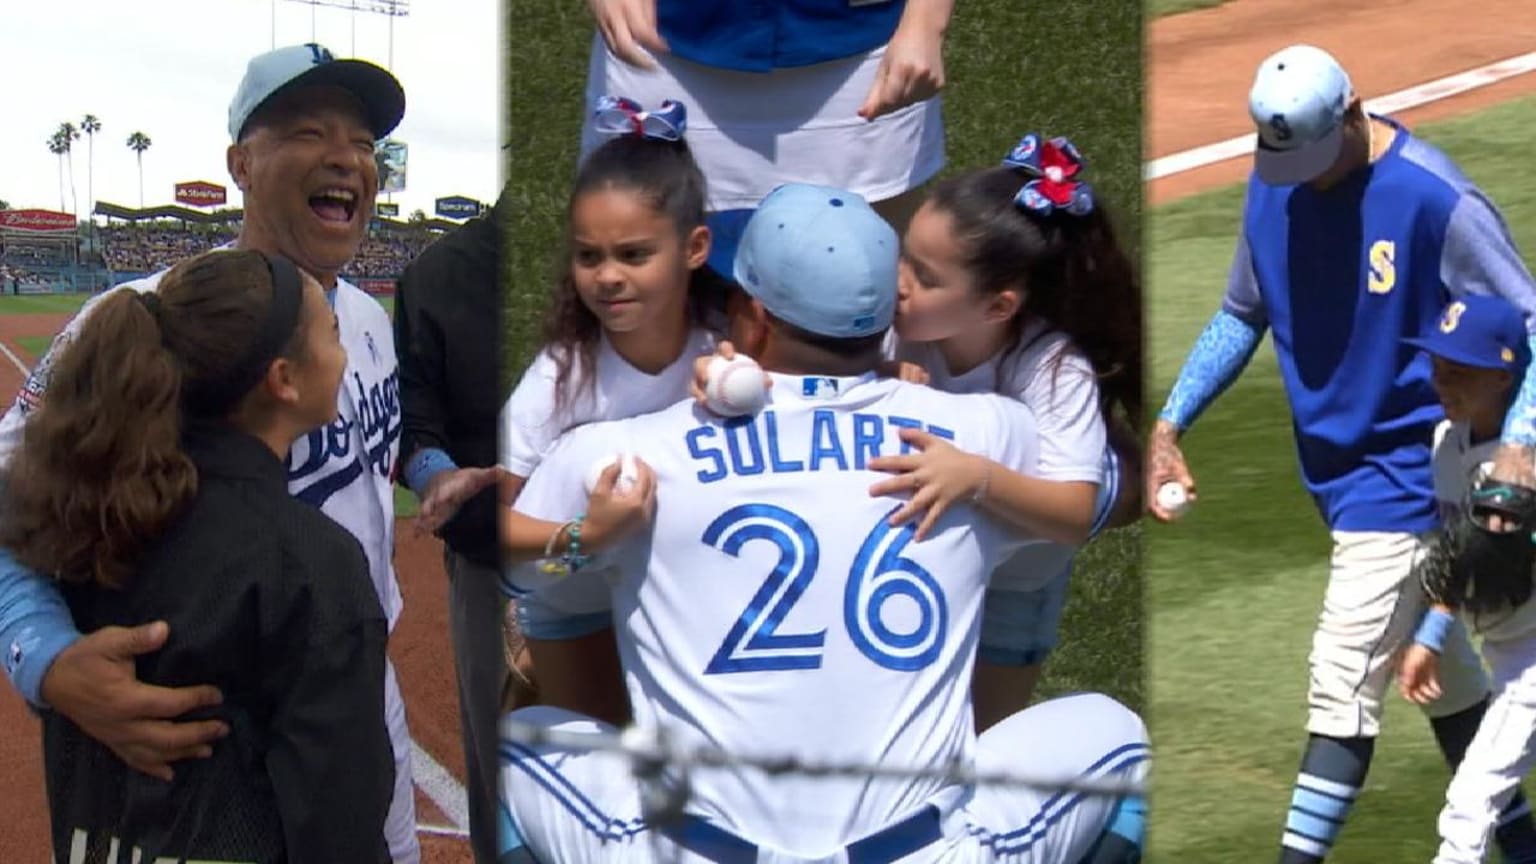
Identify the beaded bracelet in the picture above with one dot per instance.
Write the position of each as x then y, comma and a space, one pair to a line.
571, 560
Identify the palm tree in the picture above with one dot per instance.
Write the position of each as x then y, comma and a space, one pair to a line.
90, 125
138, 142
69, 135
4, 204
57, 146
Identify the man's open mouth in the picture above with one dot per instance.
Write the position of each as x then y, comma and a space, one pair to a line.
334, 204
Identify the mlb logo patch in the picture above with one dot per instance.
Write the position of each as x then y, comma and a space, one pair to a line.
373, 350
818, 388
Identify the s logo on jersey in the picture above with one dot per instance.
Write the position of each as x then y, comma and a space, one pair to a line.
1452, 317
1383, 273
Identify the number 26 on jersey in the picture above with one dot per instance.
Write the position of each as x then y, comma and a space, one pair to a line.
879, 574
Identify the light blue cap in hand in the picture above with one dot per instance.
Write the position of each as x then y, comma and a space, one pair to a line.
311, 65
821, 259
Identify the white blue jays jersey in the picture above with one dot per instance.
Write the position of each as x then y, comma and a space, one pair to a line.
345, 469
771, 609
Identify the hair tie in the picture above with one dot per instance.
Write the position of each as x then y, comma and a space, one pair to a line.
151, 303
616, 115
1053, 167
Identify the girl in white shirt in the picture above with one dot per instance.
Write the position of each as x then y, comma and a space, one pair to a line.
1013, 281
627, 319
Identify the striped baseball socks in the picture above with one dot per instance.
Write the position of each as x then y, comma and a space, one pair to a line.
1516, 831
1332, 772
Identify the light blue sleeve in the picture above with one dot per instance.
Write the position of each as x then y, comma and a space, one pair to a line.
35, 626
1479, 257
1220, 355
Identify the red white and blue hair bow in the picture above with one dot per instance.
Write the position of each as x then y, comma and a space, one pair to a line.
1054, 166
616, 115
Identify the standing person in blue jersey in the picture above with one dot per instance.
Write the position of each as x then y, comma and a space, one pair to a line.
835, 92
303, 126
1355, 235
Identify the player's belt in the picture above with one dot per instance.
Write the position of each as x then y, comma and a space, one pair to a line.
882, 847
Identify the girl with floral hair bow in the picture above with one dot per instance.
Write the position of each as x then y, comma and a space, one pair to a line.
1013, 281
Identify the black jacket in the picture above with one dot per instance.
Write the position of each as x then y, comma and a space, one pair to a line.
447, 335
270, 601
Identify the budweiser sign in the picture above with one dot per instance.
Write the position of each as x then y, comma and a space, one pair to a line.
200, 193
36, 220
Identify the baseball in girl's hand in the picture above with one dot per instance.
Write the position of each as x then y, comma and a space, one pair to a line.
1172, 499
627, 473
735, 387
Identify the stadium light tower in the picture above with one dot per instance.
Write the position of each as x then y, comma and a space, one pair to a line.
391, 8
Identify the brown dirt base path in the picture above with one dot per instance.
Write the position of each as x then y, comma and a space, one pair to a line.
419, 647
1201, 64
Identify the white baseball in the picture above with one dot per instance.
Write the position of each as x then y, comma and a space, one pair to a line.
628, 473
734, 387
1171, 498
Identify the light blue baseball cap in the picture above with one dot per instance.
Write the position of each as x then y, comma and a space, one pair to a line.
309, 65
1298, 101
821, 259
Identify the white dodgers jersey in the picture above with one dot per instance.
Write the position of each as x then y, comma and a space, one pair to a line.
772, 610
345, 469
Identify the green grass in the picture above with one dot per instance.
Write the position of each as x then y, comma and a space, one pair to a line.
1160, 8
1070, 69
35, 346
1233, 590
35, 304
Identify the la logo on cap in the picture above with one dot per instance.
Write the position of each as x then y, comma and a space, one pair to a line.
1452, 317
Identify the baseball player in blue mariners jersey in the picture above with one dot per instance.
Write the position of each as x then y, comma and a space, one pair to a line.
302, 126
1355, 234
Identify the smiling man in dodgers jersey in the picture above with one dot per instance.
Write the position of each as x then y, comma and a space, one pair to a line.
302, 126
772, 610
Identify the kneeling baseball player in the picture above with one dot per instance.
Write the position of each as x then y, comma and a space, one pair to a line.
1479, 566
770, 608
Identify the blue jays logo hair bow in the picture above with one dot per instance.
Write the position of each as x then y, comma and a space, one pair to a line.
1054, 166
615, 115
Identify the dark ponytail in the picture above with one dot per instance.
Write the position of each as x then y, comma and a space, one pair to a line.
1070, 268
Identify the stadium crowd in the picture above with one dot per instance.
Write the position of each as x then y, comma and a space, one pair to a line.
130, 249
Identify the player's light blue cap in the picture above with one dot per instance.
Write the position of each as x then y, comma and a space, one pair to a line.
1298, 101
821, 259
1481, 331
286, 69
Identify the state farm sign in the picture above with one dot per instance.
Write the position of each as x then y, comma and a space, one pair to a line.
200, 193
36, 220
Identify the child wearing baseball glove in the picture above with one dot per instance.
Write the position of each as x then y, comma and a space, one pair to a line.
1480, 565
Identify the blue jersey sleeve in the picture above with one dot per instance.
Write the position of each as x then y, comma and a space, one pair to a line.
1479, 257
35, 625
1219, 356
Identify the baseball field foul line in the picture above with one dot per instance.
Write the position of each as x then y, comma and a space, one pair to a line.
15, 361
444, 791
1412, 97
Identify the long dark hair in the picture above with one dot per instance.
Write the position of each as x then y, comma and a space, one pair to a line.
100, 473
664, 175
1072, 272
